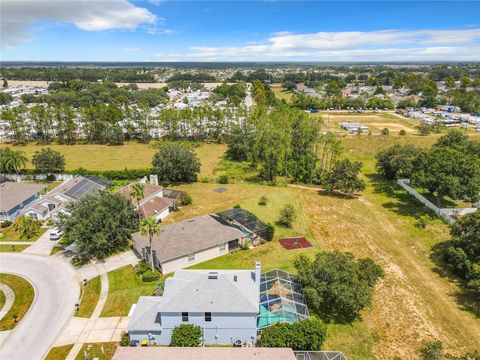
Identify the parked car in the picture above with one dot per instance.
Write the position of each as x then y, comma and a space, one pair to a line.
55, 234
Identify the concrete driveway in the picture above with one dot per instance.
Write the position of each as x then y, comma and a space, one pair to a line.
57, 290
43, 246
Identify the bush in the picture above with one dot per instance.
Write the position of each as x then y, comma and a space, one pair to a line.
159, 288
141, 268
287, 216
270, 232
149, 276
402, 132
307, 335
125, 341
263, 200
5, 224
223, 179
185, 199
186, 335
385, 131
237, 206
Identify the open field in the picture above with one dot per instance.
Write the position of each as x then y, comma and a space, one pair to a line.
130, 155
90, 296
125, 287
24, 295
280, 92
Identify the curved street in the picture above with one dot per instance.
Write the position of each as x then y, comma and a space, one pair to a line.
57, 290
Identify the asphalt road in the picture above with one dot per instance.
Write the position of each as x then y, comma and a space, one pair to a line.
57, 290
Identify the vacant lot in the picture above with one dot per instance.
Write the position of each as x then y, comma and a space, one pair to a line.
130, 155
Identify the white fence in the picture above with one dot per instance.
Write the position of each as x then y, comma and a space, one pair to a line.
319, 355
445, 213
38, 177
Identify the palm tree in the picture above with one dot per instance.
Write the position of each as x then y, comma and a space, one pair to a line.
137, 192
14, 160
149, 226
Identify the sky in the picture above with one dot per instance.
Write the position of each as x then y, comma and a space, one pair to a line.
158, 30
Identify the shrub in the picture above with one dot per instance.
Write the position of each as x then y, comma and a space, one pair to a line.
270, 232
186, 335
159, 288
223, 179
287, 216
141, 268
402, 132
149, 276
245, 246
5, 224
385, 131
125, 341
307, 335
237, 206
27, 227
185, 199
263, 200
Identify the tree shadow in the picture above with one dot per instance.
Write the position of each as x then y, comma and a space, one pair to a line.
402, 203
466, 299
338, 195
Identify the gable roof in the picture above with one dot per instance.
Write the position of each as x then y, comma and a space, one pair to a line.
189, 236
145, 314
13, 194
148, 190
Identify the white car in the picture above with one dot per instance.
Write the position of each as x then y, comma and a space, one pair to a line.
55, 234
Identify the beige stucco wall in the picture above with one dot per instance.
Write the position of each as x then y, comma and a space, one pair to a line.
180, 263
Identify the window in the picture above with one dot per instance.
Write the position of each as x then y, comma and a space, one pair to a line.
208, 316
221, 248
184, 316
191, 258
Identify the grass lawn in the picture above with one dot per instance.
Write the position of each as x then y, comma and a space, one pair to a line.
281, 93
24, 295
59, 352
2, 299
125, 287
55, 250
12, 248
91, 294
9, 234
101, 351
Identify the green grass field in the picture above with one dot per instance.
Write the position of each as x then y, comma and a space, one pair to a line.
24, 295
59, 352
91, 294
125, 287
281, 93
2, 299
130, 155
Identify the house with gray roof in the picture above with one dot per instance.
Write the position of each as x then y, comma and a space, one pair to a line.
191, 241
71, 190
15, 196
224, 303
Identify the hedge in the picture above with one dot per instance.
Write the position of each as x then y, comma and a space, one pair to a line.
125, 174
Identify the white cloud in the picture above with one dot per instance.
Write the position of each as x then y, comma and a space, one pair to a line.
131, 49
392, 45
89, 15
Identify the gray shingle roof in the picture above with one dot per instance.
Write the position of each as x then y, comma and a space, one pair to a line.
198, 291
13, 193
189, 236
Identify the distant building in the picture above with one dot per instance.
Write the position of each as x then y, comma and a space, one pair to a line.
72, 190
14, 197
224, 303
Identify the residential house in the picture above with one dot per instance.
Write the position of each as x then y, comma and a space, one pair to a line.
154, 202
191, 241
14, 197
224, 303
72, 190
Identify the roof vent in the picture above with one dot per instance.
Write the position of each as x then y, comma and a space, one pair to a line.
235, 278
213, 275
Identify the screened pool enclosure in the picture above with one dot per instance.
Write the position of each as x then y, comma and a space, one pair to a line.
281, 299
